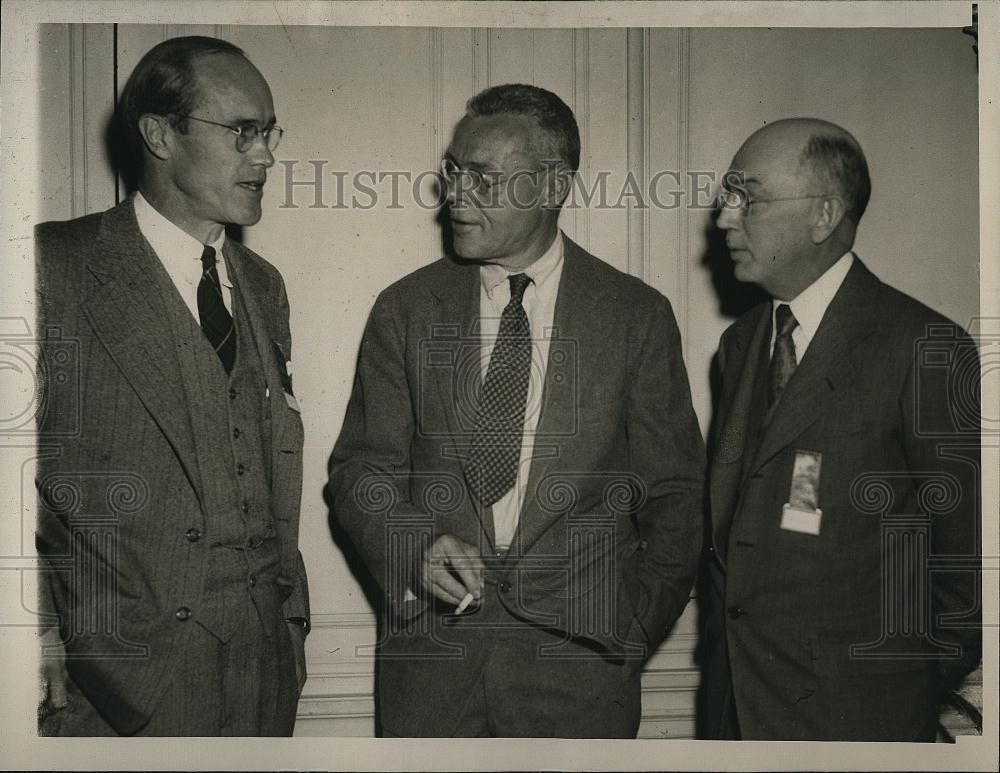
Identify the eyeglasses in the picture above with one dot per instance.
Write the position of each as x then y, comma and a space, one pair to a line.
246, 133
733, 198
479, 182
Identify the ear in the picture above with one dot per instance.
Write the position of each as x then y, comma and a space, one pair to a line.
156, 134
828, 213
558, 181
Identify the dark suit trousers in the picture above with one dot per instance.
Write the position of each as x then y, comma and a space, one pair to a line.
527, 689
245, 687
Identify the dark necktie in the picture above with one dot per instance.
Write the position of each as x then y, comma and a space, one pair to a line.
215, 318
783, 358
492, 468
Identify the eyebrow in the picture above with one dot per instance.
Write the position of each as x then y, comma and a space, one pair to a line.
476, 165
269, 122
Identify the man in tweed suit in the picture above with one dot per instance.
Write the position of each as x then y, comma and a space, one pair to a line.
171, 479
520, 465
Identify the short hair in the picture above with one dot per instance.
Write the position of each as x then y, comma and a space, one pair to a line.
838, 162
559, 137
164, 83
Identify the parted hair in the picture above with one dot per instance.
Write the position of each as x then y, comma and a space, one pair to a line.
164, 83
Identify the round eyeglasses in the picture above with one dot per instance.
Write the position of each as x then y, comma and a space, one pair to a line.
478, 182
246, 133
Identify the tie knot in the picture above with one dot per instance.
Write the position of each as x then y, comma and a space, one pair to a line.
518, 284
785, 321
208, 258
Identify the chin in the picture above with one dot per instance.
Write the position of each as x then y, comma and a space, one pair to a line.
468, 251
247, 218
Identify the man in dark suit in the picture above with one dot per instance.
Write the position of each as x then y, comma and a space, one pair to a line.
171, 469
844, 471
520, 466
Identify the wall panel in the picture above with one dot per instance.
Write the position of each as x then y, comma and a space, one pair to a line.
361, 104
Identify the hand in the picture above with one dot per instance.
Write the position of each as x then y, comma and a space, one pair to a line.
52, 696
298, 637
452, 569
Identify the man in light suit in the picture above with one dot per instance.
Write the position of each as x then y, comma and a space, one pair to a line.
520, 466
171, 468
844, 470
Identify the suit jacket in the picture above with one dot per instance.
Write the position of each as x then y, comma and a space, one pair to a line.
124, 491
836, 635
606, 543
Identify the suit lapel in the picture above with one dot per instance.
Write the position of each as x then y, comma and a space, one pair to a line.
743, 363
851, 316
575, 320
454, 328
127, 312
252, 284
453, 331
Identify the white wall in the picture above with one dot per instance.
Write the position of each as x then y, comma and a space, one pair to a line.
646, 100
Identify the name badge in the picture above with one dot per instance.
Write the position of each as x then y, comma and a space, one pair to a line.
802, 513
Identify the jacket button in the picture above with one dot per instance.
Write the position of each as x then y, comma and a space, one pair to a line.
232, 394
734, 612
192, 535
252, 581
240, 469
236, 432
505, 587
642, 544
245, 507
182, 614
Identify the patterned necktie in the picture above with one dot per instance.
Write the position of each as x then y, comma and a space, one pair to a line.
215, 318
783, 359
492, 467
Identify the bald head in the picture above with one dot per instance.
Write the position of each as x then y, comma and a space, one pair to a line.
823, 155
801, 186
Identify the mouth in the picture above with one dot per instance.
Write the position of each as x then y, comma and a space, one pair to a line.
255, 186
462, 225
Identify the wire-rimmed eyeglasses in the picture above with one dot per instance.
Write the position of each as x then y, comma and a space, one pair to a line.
246, 133
736, 199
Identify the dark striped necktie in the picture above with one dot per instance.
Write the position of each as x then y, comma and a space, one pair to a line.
496, 448
783, 361
216, 321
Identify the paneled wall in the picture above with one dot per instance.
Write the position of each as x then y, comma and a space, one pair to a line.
669, 106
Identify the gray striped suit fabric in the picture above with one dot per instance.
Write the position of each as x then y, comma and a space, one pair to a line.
126, 470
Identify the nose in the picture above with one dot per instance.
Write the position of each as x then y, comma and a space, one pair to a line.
260, 153
450, 191
729, 218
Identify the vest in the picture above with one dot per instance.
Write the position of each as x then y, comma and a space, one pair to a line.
230, 418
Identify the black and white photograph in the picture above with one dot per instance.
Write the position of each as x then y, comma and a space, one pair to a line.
500, 385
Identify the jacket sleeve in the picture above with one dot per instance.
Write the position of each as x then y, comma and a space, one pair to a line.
668, 455
941, 420
297, 603
370, 465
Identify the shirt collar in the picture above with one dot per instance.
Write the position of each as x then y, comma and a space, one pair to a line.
810, 305
492, 275
170, 242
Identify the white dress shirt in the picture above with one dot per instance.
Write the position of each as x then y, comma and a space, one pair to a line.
180, 254
810, 305
539, 304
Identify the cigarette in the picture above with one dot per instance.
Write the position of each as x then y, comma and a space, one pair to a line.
468, 599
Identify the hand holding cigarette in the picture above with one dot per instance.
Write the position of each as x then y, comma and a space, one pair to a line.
453, 572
